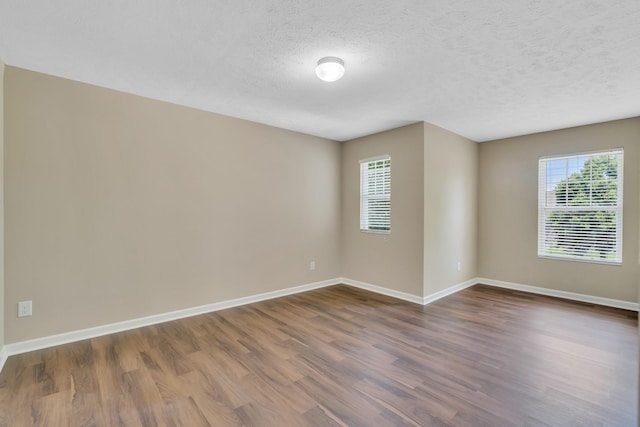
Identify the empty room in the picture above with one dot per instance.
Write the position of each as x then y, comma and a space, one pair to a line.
306, 213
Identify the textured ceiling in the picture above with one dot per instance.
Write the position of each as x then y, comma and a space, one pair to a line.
483, 69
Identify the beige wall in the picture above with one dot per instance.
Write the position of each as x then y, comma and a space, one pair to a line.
2, 310
390, 260
450, 209
119, 207
508, 211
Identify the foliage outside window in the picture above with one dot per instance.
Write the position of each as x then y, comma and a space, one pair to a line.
580, 207
375, 194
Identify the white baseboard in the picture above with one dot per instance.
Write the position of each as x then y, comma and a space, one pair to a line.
450, 290
68, 337
627, 305
406, 296
3, 356
382, 290
73, 336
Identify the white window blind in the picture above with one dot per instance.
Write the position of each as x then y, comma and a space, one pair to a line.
580, 207
375, 194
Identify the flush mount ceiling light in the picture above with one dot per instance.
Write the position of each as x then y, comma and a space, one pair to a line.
330, 69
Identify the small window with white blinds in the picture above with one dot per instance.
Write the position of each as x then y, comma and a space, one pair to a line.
580, 207
375, 194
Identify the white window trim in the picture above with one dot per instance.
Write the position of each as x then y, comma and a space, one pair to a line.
364, 198
618, 208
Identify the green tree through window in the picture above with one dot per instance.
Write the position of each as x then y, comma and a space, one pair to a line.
582, 212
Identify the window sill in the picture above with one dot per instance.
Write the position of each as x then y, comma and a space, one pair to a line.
376, 231
586, 261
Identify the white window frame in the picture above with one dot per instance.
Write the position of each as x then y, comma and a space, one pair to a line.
547, 206
380, 191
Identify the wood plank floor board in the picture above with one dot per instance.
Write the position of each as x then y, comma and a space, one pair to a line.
341, 356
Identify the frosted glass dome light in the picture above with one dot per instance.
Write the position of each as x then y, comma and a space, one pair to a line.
330, 69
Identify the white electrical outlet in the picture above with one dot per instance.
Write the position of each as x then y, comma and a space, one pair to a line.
24, 308
312, 265
459, 265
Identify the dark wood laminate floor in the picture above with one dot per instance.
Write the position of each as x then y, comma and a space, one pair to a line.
344, 357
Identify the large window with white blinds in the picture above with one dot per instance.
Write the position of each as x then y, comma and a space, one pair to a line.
580, 207
375, 194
